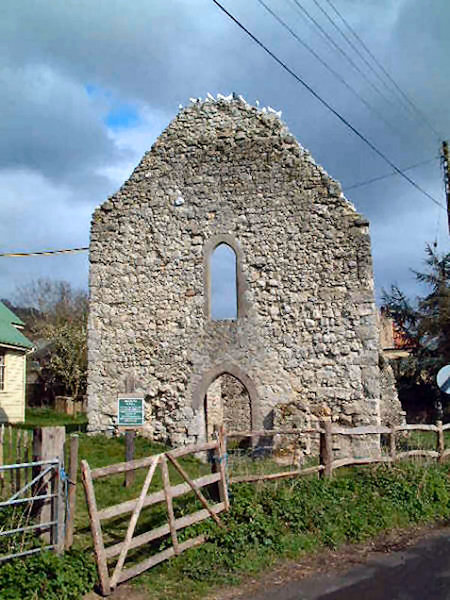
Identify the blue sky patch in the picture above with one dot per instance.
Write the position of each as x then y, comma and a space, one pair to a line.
120, 115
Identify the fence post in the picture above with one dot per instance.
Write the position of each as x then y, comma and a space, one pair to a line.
11, 456
221, 457
18, 458
392, 445
440, 441
73, 471
326, 449
2, 473
48, 444
129, 455
25, 454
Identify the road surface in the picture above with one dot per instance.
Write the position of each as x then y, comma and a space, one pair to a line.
420, 572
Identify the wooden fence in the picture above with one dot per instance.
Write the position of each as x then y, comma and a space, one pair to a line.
15, 447
327, 463
111, 576
108, 581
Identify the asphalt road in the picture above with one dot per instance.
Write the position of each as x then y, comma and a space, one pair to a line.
421, 572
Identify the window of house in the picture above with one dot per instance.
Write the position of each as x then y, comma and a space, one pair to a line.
223, 284
2, 370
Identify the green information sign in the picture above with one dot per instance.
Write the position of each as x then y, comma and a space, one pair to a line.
130, 412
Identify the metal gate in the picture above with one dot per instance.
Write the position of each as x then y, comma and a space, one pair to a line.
33, 512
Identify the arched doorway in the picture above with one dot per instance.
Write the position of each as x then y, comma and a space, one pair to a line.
227, 402
232, 401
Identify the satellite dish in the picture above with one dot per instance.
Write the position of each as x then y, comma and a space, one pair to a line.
443, 379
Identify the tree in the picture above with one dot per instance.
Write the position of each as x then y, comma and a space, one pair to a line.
68, 362
426, 324
56, 314
47, 304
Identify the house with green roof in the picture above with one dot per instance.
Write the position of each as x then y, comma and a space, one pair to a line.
14, 347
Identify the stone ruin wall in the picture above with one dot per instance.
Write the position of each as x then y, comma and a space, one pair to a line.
306, 334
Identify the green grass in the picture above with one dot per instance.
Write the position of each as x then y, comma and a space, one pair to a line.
266, 521
100, 451
420, 440
286, 520
46, 417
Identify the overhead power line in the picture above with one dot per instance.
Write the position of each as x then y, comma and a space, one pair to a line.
355, 49
41, 253
392, 174
331, 70
339, 48
76, 250
403, 94
332, 42
326, 104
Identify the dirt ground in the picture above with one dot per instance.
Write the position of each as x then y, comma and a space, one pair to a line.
324, 561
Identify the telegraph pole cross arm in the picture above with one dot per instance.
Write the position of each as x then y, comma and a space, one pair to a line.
445, 166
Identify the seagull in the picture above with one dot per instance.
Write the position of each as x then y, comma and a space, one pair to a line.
257, 104
210, 96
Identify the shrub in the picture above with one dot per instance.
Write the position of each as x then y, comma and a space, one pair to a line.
299, 515
47, 576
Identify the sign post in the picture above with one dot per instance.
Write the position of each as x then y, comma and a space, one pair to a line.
130, 415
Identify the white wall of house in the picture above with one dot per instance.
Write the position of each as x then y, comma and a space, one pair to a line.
12, 397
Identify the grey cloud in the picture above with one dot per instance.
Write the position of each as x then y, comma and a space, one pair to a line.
160, 53
49, 124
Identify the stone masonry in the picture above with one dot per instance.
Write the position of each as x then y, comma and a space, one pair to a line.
305, 338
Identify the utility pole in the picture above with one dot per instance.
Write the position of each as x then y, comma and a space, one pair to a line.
445, 166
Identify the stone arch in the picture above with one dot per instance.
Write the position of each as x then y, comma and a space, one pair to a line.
241, 286
228, 368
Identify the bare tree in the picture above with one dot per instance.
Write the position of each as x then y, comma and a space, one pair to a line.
57, 313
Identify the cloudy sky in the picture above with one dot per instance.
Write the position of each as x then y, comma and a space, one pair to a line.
88, 86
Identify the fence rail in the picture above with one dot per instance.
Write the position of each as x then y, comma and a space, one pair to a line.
327, 464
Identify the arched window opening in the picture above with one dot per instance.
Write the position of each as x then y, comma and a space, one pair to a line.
224, 294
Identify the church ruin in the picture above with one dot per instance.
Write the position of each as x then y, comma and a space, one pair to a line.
303, 344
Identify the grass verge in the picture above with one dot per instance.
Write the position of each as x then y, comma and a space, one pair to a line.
286, 520
267, 522
47, 417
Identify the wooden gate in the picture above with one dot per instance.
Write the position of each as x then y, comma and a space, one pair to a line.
109, 581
